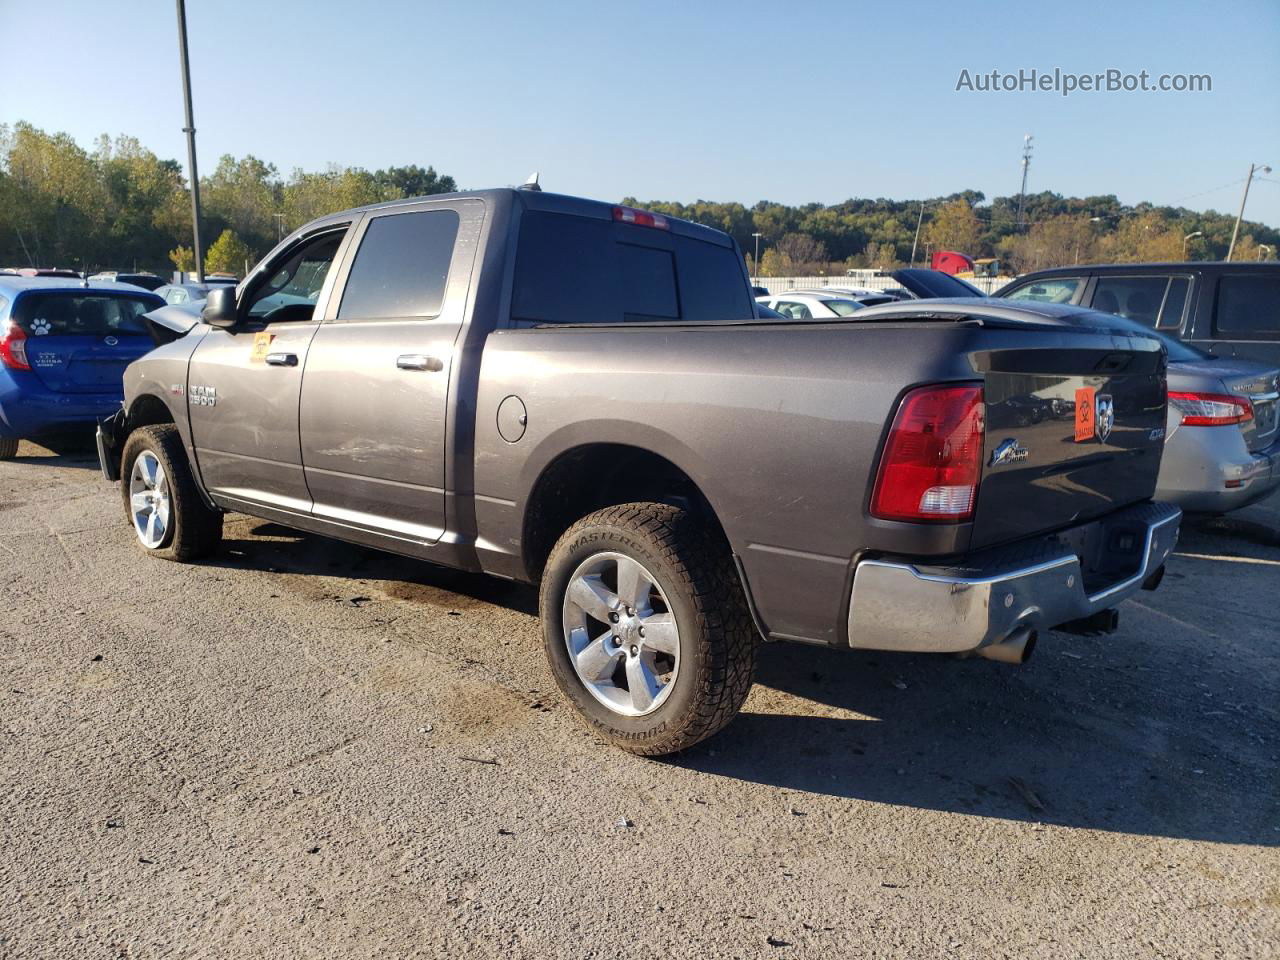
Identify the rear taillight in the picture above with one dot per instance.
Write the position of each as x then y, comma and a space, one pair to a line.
1210, 409
641, 218
932, 461
13, 348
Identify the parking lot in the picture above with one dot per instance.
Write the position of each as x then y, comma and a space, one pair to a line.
308, 749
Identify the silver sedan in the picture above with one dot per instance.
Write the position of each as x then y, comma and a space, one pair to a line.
1222, 446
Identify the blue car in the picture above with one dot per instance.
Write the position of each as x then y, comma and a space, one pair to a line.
64, 345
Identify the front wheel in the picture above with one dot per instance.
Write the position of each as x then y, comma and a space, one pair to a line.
646, 627
161, 499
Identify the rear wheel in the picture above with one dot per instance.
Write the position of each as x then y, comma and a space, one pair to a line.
8, 448
646, 627
161, 499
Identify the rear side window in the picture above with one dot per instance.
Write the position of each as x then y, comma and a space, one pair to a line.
402, 267
1057, 290
82, 314
1175, 300
1249, 306
572, 269
1135, 298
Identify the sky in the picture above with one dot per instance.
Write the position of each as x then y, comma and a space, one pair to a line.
696, 99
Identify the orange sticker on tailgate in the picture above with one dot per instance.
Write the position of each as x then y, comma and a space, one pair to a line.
1084, 414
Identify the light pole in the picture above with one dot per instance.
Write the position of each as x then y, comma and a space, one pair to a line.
919, 220
1253, 168
1189, 236
756, 262
190, 131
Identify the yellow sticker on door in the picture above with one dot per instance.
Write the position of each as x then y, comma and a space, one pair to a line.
261, 345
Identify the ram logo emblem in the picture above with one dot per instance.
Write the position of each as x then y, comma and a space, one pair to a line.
1105, 419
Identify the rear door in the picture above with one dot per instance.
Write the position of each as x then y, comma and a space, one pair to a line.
80, 341
244, 383
374, 405
1246, 316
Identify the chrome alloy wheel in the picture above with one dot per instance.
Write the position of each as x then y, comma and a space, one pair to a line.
149, 499
621, 634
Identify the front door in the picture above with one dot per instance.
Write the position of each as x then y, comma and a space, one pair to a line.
244, 383
375, 392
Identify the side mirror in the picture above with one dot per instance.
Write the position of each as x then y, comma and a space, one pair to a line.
220, 308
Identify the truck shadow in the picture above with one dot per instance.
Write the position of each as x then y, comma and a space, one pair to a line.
1104, 742
252, 544
74, 450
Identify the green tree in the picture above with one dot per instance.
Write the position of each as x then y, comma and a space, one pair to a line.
244, 196
412, 181
184, 258
229, 254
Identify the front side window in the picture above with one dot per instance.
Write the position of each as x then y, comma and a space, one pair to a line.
1175, 300
1134, 298
1056, 290
794, 309
82, 314
1249, 306
402, 267
296, 281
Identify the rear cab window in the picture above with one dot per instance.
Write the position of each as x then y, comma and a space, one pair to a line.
82, 313
576, 269
1248, 307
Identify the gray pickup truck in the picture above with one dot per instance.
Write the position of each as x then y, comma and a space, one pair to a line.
581, 395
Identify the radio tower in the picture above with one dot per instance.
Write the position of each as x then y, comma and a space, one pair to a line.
1026, 162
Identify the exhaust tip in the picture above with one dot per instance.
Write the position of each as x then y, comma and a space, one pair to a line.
1016, 648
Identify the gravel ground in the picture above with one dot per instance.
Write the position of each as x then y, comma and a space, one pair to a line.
307, 749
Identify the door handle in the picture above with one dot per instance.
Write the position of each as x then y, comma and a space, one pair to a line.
419, 361
282, 359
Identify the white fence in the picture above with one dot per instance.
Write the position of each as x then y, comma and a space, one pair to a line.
987, 285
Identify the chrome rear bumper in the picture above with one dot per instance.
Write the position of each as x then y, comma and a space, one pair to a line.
900, 605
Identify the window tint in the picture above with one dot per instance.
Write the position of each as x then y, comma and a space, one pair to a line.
298, 279
572, 269
1136, 298
401, 267
1249, 306
1057, 290
1174, 301
85, 315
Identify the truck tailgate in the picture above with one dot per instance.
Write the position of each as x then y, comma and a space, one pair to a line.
1071, 434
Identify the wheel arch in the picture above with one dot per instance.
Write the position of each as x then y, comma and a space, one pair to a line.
589, 476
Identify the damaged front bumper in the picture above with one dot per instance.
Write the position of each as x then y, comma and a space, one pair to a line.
988, 597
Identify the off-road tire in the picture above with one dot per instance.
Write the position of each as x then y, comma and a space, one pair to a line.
717, 638
195, 530
8, 448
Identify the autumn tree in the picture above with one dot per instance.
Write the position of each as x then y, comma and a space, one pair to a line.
229, 254
184, 258
954, 227
1054, 242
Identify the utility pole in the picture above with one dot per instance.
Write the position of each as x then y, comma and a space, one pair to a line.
279, 227
1253, 168
919, 220
1026, 162
756, 262
190, 131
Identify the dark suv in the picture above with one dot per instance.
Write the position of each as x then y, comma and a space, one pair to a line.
1228, 309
